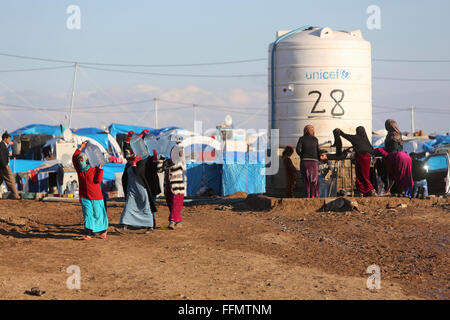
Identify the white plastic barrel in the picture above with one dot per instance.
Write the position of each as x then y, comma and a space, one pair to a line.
323, 78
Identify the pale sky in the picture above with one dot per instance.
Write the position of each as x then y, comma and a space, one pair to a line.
191, 32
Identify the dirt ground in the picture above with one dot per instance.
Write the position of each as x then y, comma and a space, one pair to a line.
231, 252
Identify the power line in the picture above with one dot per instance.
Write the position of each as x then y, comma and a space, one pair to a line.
433, 112
186, 104
415, 108
119, 112
179, 74
36, 69
392, 111
239, 75
410, 79
133, 65
411, 61
80, 111
175, 65
207, 105
199, 64
89, 65
386, 107
227, 110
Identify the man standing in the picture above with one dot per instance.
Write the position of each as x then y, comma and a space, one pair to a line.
5, 170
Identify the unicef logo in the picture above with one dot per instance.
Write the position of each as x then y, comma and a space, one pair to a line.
345, 74
337, 74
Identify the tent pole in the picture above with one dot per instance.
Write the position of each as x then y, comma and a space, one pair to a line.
72, 100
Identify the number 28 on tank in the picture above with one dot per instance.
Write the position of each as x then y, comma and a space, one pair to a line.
337, 95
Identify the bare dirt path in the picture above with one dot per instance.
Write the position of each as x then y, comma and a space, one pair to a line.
231, 252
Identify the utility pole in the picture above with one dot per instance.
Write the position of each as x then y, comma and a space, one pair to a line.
195, 114
73, 93
155, 100
412, 120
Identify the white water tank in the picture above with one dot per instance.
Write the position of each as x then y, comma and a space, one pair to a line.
323, 78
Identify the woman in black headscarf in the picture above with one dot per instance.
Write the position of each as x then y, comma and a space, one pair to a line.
393, 142
310, 154
363, 149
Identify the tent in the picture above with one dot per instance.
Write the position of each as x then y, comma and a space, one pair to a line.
226, 178
440, 141
203, 178
248, 178
109, 170
104, 140
38, 129
115, 129
98, 135
26, 169
410, 144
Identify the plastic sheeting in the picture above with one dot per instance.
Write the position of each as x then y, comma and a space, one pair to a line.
98, 135
409, 145
42, 169
436, 143
20, 165
38, 129
109, 170
115, 129
248, 178
201, 176
225, 179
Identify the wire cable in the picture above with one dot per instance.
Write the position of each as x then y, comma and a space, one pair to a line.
36, 69
411, 61
133, 65
178, 74
200, 64
411, 79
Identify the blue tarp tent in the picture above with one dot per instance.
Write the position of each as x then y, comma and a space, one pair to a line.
436, 143
98, 135
115, 129
226, 178
43, 167
109, 169
203, 174
38, 129
248, 178
19, 165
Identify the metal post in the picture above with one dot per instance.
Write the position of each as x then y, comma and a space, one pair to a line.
412, 121
73, 93
155, 100
195, 114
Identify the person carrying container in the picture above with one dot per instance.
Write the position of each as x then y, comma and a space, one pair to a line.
91, 197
